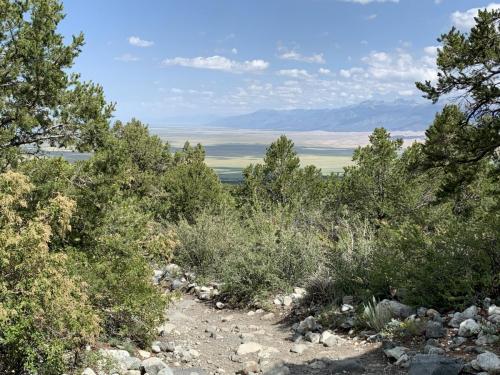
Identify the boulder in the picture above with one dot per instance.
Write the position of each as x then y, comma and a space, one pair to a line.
470, 312
298, 348
396, 309
489, 362
469, 328
88, 371
328, 339
456, 320
434, 330
309, 324
313, 337
487, 339
396, 352
153, 365
430, 349
425, 364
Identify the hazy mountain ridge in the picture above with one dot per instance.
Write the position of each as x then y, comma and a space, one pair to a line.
365, 116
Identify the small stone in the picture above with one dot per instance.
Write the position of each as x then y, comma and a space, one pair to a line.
457, 341
431, 313
429, 349
313, 337
250, 367
287, 301
269, 316
88, 371
277, 302
346, 307
396, 352
469, 328
155, 348
487, 339
219, 305
298, 348
144, 354
153, 365
421, 311
248, 348
317, 365
328, 339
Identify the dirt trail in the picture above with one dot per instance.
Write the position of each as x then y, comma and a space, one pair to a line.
215, 335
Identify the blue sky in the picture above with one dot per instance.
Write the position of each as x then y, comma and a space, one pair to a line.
175, 61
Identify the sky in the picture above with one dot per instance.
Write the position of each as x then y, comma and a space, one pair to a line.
191, 61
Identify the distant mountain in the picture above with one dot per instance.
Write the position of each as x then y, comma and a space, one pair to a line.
363, 117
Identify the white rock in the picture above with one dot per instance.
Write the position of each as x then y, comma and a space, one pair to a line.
153, 365
298, 348
489, 362
88, 371
248, 348
287, 301
165, 371
470, 312
395, 353
469, 328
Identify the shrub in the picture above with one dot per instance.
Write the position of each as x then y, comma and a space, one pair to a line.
375, 317
44, 310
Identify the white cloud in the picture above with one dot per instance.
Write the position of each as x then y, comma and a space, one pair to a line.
324, 71
465, 20
294, 73
138, 42
234, 51
292, 54
431, 50
219, 63
371, 1
371, 17
348, 73
127, 57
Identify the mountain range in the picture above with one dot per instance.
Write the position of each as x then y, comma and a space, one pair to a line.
399, 115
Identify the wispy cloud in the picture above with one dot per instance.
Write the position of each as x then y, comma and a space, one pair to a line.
138, 42
465, 20
371, 17
127, 57
291, 54
218, 63
294, 73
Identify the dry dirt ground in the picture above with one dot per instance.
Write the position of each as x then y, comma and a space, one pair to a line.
215, 335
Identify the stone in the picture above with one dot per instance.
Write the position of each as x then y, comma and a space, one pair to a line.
470, 312
396, 352
132, 363
396, 309
298, 348
313, 337
403, 361
430, 349
421, 312
153, 365
469, 328
487, 339
155, 348
317, 365
425, 364
165, 329
144, 354
287, 301
431, 313
494, 318
219, 305
456, 320
494, 310
346, 307
168, 347
328, 339
307, 325
434, 330
88, 371
177, 284
133, 372
250, 367
118, 356
277, 302
489, 362
248, 348
457, 341
165, 371
268, 352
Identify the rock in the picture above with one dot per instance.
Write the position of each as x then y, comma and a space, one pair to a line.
298, 348
456, 320
494, 310
248, 348
177, 284
133, 372
132, 363
346, 366
403, 361
155, 348
228, 318
277, 302
269, 316
421, 312
250, 368
268, 352
153, 365
144, 354
165, 371
328, 339
425, 364
307, 325
172, 269
313, 337
396, 352
118, 356
489, 362
219, 305
278, 370
88, 371
429, 349
395, 308
457, 341
487, 339
168, 347
495, 318
470, 312
434, 330
469, 328
431, 313
317, 365
287, 301
346, 307
165, 329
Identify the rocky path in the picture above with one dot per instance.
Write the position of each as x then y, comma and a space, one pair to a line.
199, 338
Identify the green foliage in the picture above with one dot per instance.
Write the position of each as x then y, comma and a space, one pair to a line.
44, 310
374, 316
469, 66
40, 102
